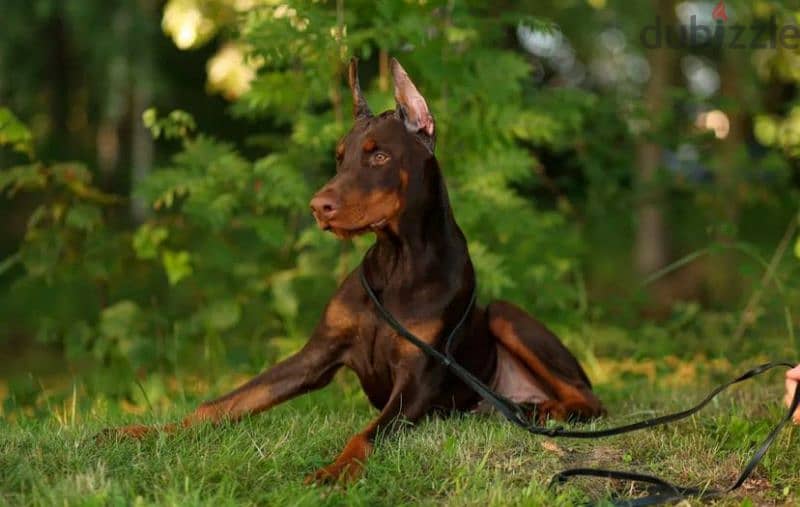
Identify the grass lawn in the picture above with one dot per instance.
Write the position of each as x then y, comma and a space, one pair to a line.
466, 460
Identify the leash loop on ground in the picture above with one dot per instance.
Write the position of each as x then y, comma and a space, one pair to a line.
660, 490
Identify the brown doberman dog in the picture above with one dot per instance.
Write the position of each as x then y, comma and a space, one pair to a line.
388, 182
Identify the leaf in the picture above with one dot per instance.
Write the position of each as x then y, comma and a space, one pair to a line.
164, 187
149, 118
177, 125
14, 133
21, 177
116, 320
550, 446
41, 252
219, 210
221, 315
270, 229
119, 326
77, 339
177, 265
84, 217
70, 173
282, 185
284, 296
147, 239
490, 270
797, 248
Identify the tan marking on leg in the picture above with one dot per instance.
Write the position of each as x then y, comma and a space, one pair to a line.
349, 465
339, 315
569, 399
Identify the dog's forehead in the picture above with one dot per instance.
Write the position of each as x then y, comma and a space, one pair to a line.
383, 129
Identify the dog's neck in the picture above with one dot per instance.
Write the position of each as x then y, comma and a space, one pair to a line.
427, 245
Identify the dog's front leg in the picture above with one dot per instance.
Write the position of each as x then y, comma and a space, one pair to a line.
311, 368
410, 399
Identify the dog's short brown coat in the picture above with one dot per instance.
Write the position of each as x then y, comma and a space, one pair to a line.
388, 182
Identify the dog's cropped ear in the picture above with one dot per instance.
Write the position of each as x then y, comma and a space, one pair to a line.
411, 106
360, 107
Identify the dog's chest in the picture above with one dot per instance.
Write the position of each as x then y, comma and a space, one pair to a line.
379, 354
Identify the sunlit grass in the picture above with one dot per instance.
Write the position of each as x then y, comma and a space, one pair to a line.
465, 460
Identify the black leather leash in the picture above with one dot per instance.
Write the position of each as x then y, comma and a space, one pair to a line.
660, 491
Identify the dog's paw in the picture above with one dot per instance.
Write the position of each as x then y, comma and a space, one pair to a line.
336, 473
550, 409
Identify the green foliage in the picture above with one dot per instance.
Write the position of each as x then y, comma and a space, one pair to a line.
13, 133
228, 254
147, 239
177, 125
178, 265
226, 259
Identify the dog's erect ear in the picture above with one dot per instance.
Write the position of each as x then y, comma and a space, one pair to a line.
411, 105
360, 107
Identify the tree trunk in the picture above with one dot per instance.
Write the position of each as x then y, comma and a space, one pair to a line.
650, 247
142, 82
107, 138
59, 77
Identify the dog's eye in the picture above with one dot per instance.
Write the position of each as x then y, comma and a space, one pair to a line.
379, 158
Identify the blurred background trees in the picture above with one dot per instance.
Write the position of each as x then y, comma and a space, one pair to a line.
157, 159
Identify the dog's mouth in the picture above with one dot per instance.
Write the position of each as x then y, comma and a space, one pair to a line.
347, 231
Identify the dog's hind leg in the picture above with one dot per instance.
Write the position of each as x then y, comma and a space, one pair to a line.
560, 387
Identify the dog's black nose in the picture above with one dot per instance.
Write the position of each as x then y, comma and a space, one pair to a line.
324, 206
